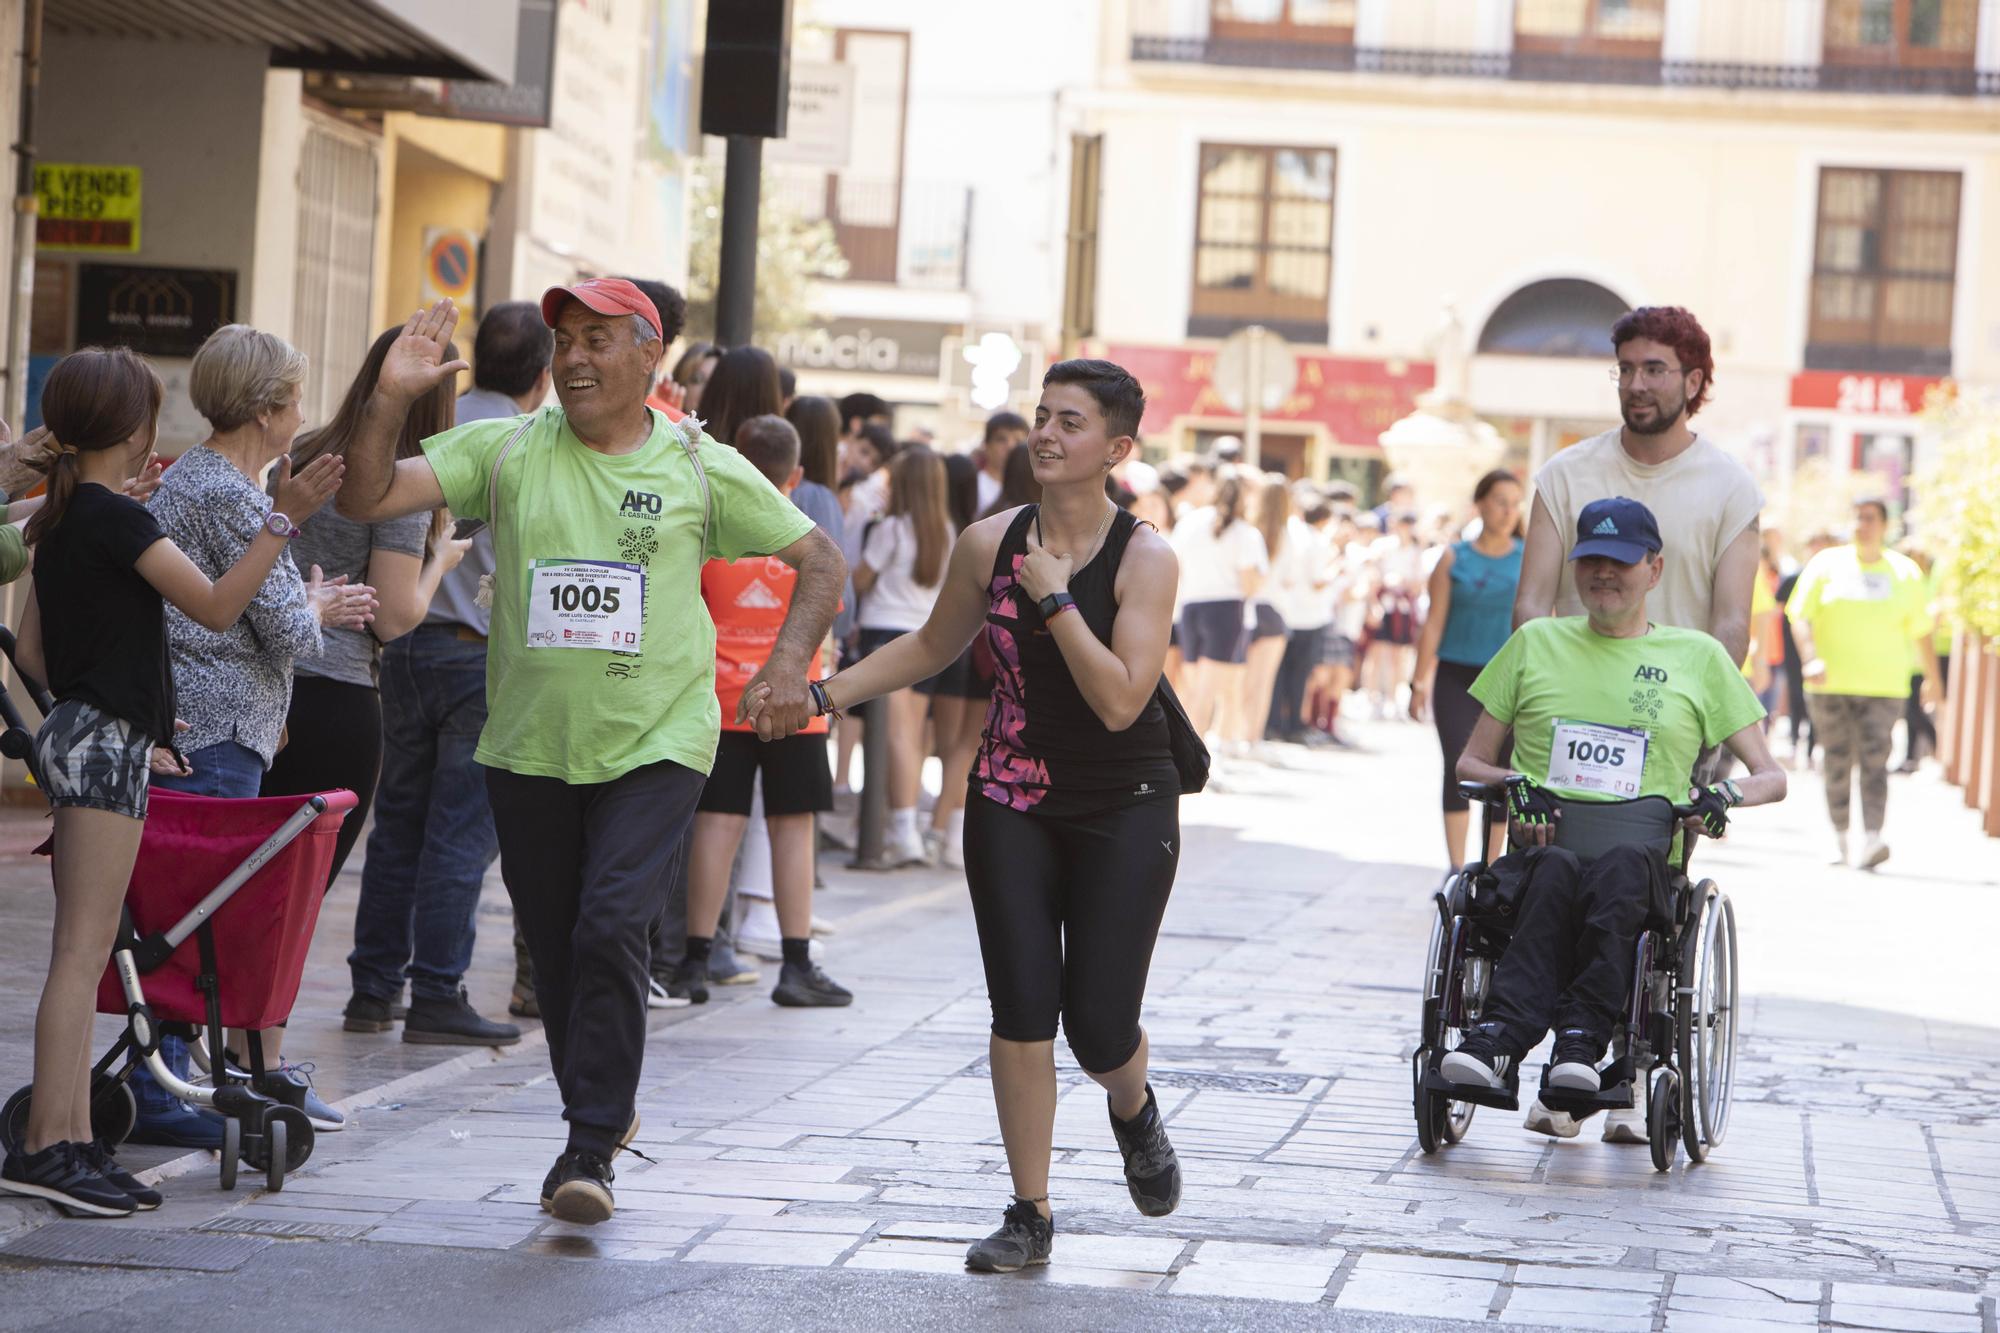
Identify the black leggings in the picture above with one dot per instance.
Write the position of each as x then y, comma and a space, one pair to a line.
1456, 712
333, 740
1068, 910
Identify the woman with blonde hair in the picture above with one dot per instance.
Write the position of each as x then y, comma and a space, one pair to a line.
903, 558
1265, 628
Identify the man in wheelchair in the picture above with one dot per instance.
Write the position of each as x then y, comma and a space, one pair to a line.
1603, 707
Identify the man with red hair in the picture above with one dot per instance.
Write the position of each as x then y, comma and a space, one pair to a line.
1706, 504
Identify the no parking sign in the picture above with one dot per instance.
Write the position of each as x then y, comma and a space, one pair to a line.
451, 265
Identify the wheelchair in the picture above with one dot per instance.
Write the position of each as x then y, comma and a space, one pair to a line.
1676, 1046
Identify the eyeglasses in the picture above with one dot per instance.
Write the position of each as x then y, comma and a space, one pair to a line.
1652, 372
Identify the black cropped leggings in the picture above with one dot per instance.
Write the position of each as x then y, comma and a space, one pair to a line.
1455, 712
1068, 910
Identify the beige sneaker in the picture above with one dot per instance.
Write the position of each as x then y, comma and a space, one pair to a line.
1875, 853
1555, 1124
1625, 1126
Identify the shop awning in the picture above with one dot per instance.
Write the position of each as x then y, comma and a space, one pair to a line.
447, 39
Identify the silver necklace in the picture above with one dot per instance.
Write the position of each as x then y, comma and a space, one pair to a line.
1090, 550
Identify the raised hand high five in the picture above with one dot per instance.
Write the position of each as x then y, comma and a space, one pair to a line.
416, 361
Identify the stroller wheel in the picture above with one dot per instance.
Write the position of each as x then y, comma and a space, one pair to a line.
113, 1109
276, 1132
14, 1118
232, 1150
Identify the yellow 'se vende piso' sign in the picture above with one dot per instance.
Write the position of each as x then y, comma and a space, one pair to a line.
87, 207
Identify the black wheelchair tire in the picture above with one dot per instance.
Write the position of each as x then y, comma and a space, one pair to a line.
14, 1118
1663, 1114
113, 1112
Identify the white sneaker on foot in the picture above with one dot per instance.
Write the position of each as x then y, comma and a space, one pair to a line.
1555, 1124
1839, 849
759, 934
905, 849
1627, 1125
1875, 853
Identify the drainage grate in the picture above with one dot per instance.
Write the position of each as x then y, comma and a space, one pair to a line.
271, 1226
98, 1243
1288, 1085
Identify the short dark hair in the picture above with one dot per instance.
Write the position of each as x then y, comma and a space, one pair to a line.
1000, 423
788, 382
1117, 394
673, 307
512, 348
772, 446
861, 407
1876, 503
882, 440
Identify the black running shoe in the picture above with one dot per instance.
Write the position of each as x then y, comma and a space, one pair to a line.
1478, 1063
581, 1188
690, 981
61, 1174
98, 1157
1573, 1067
809, 987
1152, 1171
1025, 1237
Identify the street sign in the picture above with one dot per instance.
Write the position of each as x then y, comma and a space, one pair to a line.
1254, 359
85, 207
819, 122
451, 265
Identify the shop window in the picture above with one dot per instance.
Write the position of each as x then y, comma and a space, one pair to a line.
1884, 271
1328, 21
1263, 241
1631, 29
1908, 33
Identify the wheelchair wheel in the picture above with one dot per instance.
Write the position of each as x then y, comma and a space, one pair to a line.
232, 1149
1705, 1022
114, 1110
1663, 1118
1441, 1121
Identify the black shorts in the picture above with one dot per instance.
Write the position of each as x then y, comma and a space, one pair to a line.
797, 780
1213, 631
960, 680
1268, 623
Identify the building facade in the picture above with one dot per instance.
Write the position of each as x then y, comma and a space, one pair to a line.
1811, 177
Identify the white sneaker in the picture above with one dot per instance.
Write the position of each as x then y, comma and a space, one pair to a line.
1839, 849
759, 934
657, 997
1875, 853
944, 849
822, 928
1555, 1124
837, 829
1626, 1125
905, 849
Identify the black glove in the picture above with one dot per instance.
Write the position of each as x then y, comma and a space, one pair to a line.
1712, 805
1529, 805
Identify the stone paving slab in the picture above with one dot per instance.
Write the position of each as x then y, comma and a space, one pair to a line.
1859, 1187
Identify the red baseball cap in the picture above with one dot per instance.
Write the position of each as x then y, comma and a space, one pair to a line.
607, 296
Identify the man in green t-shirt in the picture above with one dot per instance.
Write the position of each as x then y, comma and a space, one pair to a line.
602, 718
1860, 614
1603, 707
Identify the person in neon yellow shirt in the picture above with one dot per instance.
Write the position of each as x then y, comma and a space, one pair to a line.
1859, 612
1605, 706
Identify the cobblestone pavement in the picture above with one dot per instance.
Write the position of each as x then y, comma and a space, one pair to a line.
1859, 1186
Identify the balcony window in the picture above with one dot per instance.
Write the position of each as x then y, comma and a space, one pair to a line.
1329, 21
1263, 241
1884, 271
1633, 29
1932, 33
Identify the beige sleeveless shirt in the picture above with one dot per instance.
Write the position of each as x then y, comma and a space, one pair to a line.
1703, 500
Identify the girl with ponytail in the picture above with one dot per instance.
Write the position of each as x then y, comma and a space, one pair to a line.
94, 629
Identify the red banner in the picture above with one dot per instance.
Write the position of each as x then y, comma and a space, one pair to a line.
1355, 399
1855, 394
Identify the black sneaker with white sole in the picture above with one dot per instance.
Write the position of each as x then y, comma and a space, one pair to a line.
1573, 1067
1025, 1237
62, 1175
98, 1157
1478, 1063
579, 1188
809, 987
1152, 1169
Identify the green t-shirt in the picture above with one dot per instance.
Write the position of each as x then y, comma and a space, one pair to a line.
1865, 620
13, 553
582, 539
1598, 718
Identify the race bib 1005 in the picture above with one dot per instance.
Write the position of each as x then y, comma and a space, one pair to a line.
1607, 761
586, 604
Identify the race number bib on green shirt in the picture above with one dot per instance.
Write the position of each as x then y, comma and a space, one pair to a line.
586, 604
1604, 761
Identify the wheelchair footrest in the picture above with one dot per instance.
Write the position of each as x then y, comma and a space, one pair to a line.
1503, 1099
1615, 1093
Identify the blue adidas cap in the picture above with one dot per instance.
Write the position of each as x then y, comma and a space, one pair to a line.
1619, 529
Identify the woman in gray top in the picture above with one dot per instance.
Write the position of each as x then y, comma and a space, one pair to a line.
335, 725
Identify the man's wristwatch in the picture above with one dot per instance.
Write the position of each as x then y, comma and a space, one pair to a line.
278, 525
1055, 604
1730, 791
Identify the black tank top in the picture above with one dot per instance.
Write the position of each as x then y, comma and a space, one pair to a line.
1044, 749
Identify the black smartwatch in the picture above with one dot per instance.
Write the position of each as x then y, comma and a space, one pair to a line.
1052, 605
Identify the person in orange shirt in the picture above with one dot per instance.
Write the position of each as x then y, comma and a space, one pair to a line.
748, 601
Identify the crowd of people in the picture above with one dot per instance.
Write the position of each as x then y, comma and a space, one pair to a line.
394, 603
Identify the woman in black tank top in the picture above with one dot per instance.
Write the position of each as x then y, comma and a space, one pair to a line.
1072, 827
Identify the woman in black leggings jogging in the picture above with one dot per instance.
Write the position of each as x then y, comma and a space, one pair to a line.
1072, 822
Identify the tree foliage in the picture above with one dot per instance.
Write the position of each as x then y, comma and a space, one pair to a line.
794, 253
1960, 498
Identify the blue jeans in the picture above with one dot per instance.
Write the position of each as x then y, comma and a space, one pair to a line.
433, 836
224, 769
